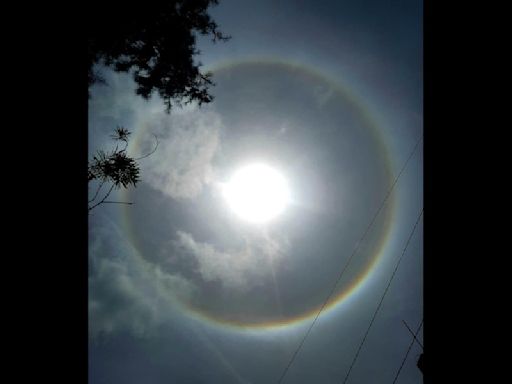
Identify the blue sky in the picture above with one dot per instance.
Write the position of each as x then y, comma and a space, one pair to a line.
181, 290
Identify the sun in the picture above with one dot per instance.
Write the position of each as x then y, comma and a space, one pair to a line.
257, 193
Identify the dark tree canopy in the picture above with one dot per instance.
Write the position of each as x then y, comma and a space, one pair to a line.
156, 41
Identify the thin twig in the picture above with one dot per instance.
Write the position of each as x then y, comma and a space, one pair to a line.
150, 153
117, 202
97, 191
126, 146
104, 198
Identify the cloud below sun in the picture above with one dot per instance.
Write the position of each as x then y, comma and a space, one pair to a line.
193, 250
237, 268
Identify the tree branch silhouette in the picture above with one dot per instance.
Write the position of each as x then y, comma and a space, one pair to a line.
97, 191
102, 200
150, 153
156, 44
116, 167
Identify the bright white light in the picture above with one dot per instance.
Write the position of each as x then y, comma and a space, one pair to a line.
257, 193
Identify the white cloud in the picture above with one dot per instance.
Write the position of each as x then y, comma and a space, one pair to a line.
182, 164
125, 291
188, 136
240, 268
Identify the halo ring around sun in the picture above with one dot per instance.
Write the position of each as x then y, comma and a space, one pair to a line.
358, 282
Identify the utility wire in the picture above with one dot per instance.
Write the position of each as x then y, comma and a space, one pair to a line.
382, 298
413, 335
331, 292
407, 353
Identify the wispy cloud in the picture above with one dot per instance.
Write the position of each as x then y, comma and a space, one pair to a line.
127, 293
238, 268
188, 142
188, 137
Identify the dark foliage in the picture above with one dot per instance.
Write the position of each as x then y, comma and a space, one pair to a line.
156, 42
115, 168
121, 134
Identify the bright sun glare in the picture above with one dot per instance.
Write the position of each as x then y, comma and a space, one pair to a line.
257, 193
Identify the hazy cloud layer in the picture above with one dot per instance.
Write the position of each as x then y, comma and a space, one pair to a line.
338, 177
322, 95
182, 164
125, 291
188, 138
239, 268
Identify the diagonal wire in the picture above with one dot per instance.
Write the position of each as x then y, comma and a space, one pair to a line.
382, 298
356, 248
412, 333
407, 353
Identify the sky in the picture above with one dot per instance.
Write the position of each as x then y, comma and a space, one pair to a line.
184, 290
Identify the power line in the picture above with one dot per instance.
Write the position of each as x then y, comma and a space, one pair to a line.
407, 353
331, 292
413, 335
382, 298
